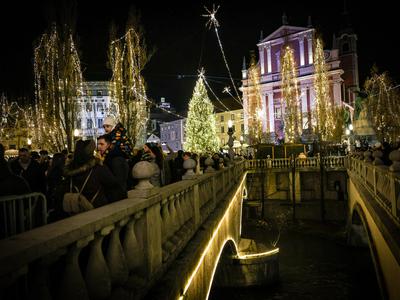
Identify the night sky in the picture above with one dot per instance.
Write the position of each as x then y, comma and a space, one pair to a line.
182, 42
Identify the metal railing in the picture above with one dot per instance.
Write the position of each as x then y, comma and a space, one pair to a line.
20, 213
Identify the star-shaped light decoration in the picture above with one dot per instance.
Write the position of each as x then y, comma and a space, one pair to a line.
211, 14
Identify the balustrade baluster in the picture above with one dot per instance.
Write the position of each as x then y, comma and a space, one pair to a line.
72, 284
133, 249
166, 230
98, 280
116, 260
40, 286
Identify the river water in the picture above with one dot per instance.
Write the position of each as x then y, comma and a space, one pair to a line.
315, 263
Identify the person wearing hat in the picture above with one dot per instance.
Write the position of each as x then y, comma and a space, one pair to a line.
120, 140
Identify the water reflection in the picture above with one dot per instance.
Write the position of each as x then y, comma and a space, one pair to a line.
312, 266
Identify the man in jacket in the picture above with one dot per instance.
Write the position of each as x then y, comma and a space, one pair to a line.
114, 160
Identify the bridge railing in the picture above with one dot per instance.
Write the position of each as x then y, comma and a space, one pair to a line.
285, 163
383, 184
19, 213
131, 242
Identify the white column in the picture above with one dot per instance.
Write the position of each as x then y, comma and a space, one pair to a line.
310, 50
337, 95
312, 101
304, 110
264, 113
271, 116
269, 64
245, 112
261, 51
301, 44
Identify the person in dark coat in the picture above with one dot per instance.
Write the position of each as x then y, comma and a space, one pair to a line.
101, 188
10, 184
54, 177
30, 170
114, 160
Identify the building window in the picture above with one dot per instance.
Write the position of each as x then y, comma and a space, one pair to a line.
99, 107
232, 117
99, 123
222, 129
89, 124
278, 112
222, 118
241, 116
242, 127
345, 47
173, 135
278, 60
89, 107
99, 94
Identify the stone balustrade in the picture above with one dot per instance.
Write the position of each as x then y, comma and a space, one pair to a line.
285, 163
114, 251
381, 182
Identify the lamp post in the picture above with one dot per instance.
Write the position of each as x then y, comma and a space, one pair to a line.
349, 134
230, 140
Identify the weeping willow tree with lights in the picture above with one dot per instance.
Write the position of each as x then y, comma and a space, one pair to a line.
58, 85
383, 102
9, 116
254, 101
290, 94
201, 132
328, 118
128, 56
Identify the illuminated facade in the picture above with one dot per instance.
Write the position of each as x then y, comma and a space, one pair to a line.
94, 106
342, 73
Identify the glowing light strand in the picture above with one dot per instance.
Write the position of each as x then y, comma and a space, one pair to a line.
290, 94
214, 22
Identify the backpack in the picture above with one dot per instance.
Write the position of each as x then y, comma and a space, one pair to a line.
75, 202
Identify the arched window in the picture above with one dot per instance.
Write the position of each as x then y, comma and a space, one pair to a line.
345, 47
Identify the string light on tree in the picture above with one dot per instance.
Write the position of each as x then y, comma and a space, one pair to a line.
383, 100
324, 108
292, 115
58, 84
212, 21
254, 101
128, 56
201, 132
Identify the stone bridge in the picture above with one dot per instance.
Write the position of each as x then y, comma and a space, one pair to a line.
165, 243
131, 248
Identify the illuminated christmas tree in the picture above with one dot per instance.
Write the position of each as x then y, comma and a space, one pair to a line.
325, 124
290, 95
201, 133
255, 111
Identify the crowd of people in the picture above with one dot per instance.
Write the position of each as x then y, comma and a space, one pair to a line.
101, 172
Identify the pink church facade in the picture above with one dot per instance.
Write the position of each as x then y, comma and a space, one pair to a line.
301, 40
